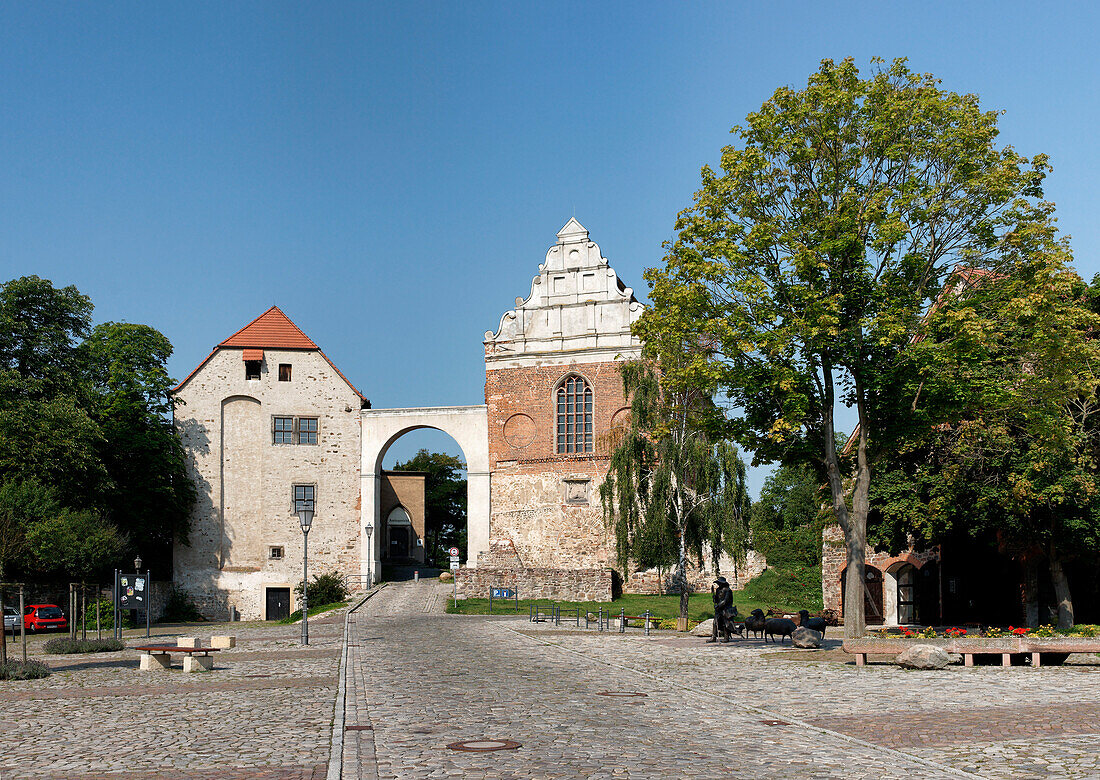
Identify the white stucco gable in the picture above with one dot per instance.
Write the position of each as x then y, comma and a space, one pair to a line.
578, 309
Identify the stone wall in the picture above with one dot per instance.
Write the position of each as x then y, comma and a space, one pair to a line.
404, 489
245, 482
699, 579
536, 583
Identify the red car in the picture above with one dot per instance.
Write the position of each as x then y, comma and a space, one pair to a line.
42, 617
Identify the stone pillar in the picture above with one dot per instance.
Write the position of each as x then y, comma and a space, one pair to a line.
370, 491
477, 516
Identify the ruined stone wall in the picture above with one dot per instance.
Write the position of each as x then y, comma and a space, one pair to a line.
244, 481
548, 503
699, 579
591, 584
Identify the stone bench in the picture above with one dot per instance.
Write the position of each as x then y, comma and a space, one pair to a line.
968, 647
196, 658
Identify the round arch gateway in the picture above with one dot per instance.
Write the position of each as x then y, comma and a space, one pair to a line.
468, 426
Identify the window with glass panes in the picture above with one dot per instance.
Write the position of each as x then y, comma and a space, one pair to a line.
303, 497
284, 430
574, 407
307, 430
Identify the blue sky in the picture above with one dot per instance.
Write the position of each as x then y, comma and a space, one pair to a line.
391, 175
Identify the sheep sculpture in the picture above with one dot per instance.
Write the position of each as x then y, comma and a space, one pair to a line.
755, 623
774, 627
815, 624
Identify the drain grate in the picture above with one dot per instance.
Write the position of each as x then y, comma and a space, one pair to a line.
358, 728
484, 745
775, 723
622, 694
257, 675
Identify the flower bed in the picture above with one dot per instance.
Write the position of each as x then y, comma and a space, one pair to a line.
1035, 643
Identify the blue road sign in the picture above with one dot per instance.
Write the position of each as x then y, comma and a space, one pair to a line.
503, 593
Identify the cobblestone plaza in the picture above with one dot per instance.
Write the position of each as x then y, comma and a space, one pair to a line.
579, 703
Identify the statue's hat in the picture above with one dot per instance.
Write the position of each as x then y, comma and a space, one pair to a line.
721, 581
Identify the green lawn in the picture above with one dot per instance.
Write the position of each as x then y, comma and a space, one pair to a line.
297, 614
700, 606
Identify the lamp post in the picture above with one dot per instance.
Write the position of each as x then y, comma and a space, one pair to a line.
305, 519
370, 554
137, 563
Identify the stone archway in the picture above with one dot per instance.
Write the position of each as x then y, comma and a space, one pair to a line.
468, 426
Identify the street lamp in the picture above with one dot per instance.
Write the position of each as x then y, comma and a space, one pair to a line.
370, 554
137, 563
305, 519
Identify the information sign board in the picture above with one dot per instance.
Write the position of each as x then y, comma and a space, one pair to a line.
132, 590
502, 593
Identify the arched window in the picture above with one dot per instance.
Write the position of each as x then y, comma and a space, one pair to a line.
574, 399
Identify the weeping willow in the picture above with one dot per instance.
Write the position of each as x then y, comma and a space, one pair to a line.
674, 487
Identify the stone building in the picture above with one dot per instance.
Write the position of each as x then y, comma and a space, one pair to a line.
269, 423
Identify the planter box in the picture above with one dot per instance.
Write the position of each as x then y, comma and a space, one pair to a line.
968, 647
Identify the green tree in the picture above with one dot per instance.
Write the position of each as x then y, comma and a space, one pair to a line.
1008, 444
75, 543
809, 261
151, 495
787, 519
672, 490
22, 504
444, 501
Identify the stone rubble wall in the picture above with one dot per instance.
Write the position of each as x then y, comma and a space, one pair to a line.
834, 560
654, 581
537, 583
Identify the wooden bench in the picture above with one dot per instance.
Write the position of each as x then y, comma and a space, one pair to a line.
196, 659
1006, 647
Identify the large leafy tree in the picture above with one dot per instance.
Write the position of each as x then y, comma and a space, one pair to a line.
152, 495
810, 259
673, 490
84, 420
444, 501
1005, 388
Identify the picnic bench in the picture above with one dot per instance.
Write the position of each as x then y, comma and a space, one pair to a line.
196, 659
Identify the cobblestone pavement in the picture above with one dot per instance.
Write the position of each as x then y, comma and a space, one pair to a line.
419, 682
263, 713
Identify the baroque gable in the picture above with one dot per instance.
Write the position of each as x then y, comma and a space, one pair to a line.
578, 309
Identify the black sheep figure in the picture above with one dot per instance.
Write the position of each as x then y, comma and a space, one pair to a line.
815, 624
755, 623
783, 627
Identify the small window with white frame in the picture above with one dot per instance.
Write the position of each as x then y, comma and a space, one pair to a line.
275, 552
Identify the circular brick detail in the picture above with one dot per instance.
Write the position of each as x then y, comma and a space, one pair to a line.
484, 745
519, 430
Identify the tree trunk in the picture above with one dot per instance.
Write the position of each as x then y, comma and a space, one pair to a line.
1031, 591
683, 578
1061, 590
855, 533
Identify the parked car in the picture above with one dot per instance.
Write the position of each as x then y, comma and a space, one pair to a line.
11, 619
43, 617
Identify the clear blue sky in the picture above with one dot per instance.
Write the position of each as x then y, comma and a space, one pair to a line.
392, 174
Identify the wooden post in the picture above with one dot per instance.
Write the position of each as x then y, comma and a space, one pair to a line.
83, 611
4, 633
1035, 660
1006, 659
968, 659
22, 624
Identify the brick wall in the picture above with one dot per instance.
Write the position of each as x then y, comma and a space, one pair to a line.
548, 503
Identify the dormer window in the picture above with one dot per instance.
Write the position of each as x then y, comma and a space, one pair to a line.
251, 369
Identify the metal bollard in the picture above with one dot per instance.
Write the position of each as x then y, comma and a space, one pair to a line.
599, 621
647, 622
622, 621
416, 575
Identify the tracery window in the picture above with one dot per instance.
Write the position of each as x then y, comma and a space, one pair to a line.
574, 407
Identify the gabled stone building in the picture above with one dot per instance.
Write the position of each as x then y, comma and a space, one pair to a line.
268, 423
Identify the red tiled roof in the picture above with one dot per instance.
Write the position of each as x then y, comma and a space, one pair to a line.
253, 354
272, 330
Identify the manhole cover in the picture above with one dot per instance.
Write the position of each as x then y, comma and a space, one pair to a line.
775, 723
622, 694
484, 745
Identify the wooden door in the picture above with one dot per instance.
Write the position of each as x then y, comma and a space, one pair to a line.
278, 603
